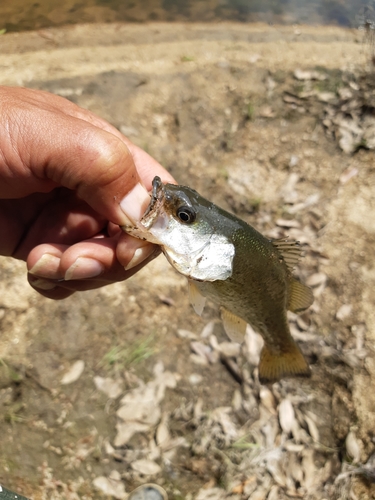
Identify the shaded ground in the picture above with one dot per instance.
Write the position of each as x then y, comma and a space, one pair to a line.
223, 109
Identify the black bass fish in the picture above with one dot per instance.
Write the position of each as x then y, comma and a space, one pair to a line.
228, 261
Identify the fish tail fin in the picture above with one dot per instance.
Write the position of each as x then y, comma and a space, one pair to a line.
287, 363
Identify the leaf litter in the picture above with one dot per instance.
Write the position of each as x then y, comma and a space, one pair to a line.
266, 444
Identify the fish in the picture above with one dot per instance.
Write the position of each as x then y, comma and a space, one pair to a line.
229, 262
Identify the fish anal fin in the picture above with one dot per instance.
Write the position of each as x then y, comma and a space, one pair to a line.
197, 300
300, 296
234, 326
288, 363
290, 251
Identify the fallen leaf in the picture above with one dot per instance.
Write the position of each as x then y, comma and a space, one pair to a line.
352, 446
348, 174
146, 467
287, 416
74, 372
112, 388
301, 74
111, 486
125, 431
316, 279
344, 311
287, 223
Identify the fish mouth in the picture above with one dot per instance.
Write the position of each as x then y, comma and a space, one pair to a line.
156, 203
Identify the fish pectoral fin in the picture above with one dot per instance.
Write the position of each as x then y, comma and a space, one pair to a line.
234, 326
288, 363
301, 296
197, 300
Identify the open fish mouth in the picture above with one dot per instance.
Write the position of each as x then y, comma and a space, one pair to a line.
156, 203
151, 214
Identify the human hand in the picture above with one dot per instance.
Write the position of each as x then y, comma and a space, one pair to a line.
68, 180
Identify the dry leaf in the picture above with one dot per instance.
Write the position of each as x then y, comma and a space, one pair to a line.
348, 174
267, 399
208, 329
210, 494
162, 433
309, 469
195, 378
301, 74
316, 279
125, 431
344, 311
313, 429
204, 351
146, 467
112, 486
112, 388
186, 334
141, 407
287, 417
237, 400
74, 372
352, 446
229, 349
288, 223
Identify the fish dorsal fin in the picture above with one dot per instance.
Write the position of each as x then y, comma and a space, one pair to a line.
234, 326
197, 300
300, 296
290, 251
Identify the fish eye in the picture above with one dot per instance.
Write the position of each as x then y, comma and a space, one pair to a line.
186, 214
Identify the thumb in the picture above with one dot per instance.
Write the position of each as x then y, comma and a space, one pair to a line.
94, 163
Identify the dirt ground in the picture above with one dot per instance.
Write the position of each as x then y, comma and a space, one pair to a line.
163, 396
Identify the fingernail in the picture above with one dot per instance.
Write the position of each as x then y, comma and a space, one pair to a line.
139, 256
134, 204
46, 267
84, 268
42, 284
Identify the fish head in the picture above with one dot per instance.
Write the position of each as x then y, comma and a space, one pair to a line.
185, 225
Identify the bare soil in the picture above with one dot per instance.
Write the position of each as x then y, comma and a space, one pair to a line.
221, 108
